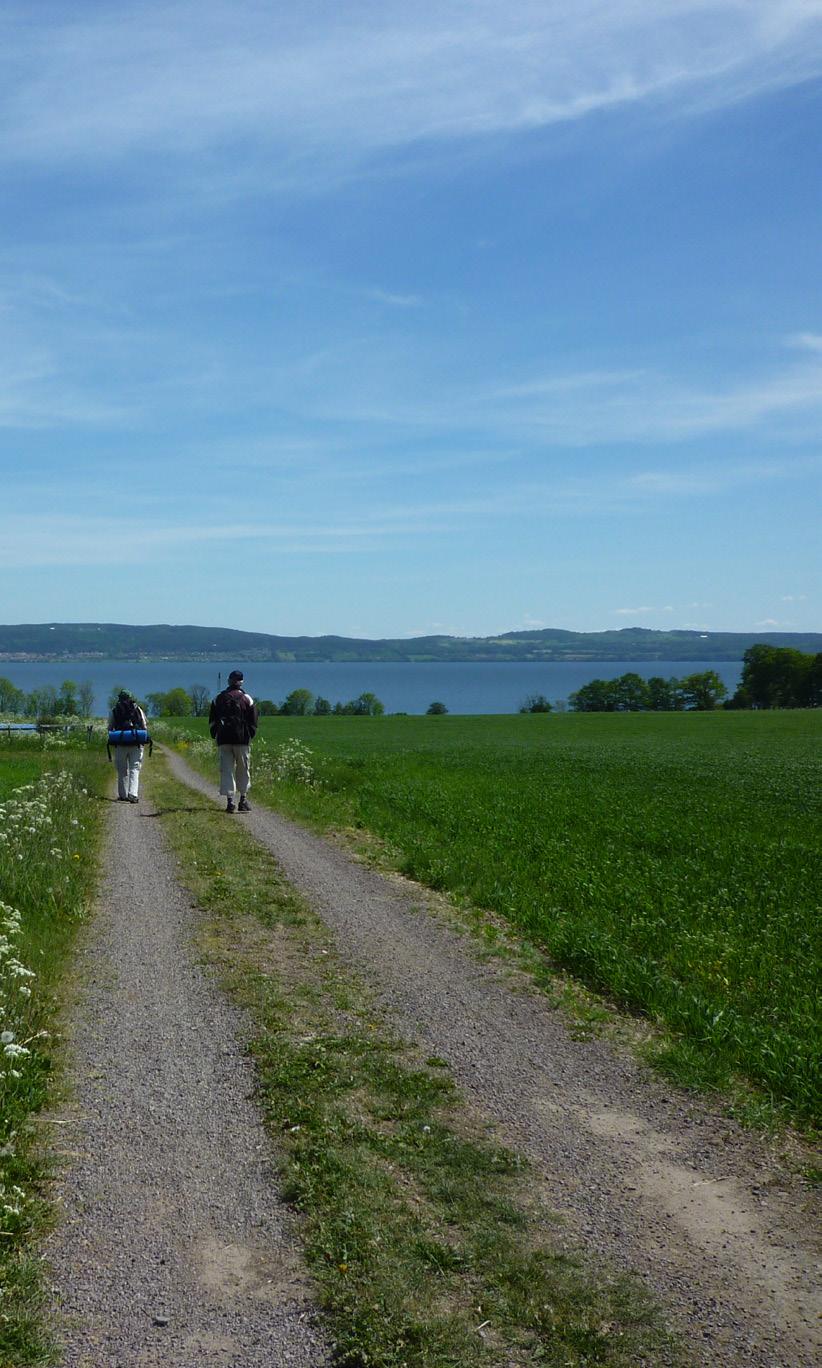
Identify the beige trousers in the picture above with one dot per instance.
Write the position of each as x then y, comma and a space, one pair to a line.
235, 769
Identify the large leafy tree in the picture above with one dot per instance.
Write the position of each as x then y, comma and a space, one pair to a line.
367, 705
778, 677
702, 691
298, 703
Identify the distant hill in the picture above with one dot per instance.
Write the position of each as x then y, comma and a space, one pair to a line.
116, 641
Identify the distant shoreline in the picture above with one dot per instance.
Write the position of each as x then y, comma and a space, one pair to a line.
558, 658
89, 643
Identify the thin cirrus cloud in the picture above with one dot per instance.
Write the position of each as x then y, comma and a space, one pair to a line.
314, 84
641, 612
596, 407
77, 540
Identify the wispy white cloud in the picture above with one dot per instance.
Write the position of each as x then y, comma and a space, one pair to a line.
372, 382
50, 539
34, 393
397, 301
592, 407
314, 85
641, 612
805, 341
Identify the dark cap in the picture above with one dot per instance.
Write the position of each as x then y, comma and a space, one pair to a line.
124, 696
236, 677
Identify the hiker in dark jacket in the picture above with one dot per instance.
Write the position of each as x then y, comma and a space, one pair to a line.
232, 722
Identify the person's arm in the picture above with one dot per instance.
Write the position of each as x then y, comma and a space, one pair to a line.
212, 718
253, 719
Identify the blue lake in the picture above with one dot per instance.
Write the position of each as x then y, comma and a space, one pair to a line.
470, 687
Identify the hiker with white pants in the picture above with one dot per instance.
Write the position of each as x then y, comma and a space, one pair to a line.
127, 715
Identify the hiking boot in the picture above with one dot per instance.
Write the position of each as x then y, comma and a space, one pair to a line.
132, 798
229, 807
245, 806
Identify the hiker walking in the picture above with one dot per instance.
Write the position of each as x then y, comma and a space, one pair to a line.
128, 734
232, 722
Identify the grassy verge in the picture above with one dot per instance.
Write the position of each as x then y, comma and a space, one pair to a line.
49, 827
424, 1244
666, 860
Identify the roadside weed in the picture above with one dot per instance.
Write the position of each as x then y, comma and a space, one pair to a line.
48, 835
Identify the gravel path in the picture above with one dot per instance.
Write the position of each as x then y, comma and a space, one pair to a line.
173, 1249
646, 1176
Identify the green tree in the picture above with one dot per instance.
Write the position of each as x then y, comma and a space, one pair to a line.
200, 700
664, 694
173, 703
367, 705
631, 693
777, 677
266, 707
177, 703
43, 703
814, 682
702, 691
536, 703
298, 703
322, 707
599, 695
436, 709
67, 698
12, 699
85, 698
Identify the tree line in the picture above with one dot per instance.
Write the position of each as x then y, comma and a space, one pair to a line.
48, 702
699, 692
779, 677
196, 701
772, 677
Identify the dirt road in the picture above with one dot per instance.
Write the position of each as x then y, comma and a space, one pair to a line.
644, 1175
173, 1248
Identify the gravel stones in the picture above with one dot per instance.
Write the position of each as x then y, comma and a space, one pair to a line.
173, 1247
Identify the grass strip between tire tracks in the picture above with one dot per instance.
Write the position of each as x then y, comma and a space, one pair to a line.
424, 1237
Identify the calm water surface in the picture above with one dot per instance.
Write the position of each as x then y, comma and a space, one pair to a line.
470, 687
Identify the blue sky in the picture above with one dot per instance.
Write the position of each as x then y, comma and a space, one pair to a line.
385, 319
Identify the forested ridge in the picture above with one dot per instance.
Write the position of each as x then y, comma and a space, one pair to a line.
72, 641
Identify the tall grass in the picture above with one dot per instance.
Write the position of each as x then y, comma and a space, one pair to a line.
48, 833
669, 861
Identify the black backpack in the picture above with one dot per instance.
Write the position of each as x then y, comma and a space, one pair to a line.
231, 718
126, 713
127, 727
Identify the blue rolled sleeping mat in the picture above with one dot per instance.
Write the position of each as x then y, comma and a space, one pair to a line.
128, 736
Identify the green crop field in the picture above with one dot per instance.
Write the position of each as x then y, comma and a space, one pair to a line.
670, 860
